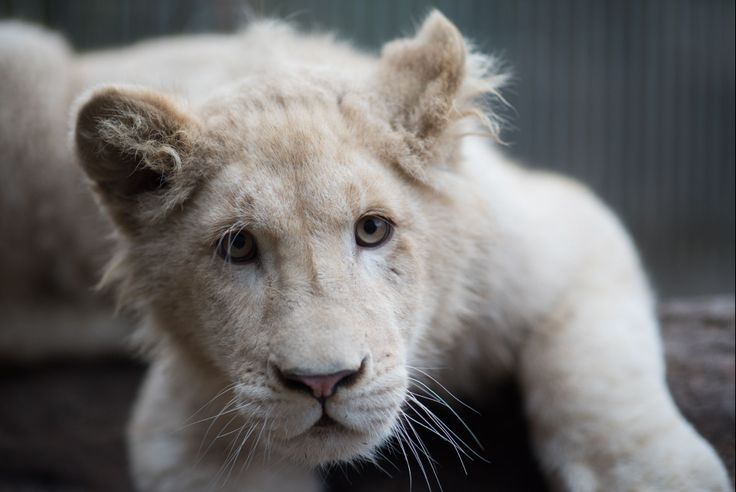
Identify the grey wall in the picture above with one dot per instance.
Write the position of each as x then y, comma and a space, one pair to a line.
635, 97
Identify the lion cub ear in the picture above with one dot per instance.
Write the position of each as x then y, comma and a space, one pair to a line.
133, 143
429, 82
423, 75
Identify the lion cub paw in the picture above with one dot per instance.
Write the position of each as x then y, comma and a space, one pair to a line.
669, 465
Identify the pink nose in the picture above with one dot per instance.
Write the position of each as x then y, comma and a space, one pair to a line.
321, 386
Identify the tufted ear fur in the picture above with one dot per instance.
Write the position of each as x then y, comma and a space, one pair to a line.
133, 143
431, 81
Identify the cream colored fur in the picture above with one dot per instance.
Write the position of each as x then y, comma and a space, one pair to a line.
52, 237
492, 271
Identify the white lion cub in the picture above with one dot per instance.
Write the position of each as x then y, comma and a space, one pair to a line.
302, 225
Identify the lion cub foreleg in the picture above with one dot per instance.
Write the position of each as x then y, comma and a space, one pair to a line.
185, 438
601, 416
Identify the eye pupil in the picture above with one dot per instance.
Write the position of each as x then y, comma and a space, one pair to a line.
238, 241
370, 226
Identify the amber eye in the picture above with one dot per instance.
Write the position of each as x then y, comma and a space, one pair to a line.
238, 247
372, 231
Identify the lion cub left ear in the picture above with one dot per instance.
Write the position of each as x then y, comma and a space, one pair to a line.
134, 143
423, 75
429, 82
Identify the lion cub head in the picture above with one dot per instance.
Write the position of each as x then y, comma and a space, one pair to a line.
292, 233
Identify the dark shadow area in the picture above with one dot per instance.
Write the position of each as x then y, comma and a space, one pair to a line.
507, 462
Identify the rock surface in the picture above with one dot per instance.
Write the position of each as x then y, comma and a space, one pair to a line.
62, 423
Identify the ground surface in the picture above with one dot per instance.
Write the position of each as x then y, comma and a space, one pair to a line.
61, 423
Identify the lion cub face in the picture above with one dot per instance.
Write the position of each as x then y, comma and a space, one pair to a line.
300, 280
280, 234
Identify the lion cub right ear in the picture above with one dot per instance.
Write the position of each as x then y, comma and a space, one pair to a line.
135, 144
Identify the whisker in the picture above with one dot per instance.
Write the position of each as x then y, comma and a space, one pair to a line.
434, 380
449, 407
446, 437
397, 435
237, 453
430, 461
382, 456
410, 444
445, 427
247, 436
235, 409
231, 456
201, 456
224, 390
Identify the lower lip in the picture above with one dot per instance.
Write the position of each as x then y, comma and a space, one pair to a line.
326, 422
328, 425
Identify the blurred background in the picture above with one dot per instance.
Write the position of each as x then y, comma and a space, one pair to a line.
634, 97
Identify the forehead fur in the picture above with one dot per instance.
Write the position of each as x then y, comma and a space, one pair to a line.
300, 120
302, 157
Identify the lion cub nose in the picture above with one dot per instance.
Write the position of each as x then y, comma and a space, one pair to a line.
321, 386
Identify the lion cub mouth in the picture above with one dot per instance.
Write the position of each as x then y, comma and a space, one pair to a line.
328, 425
325, 421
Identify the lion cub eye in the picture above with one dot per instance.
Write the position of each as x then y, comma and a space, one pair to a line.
238, 247
372, 231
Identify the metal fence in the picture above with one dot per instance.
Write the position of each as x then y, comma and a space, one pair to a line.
634, 97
